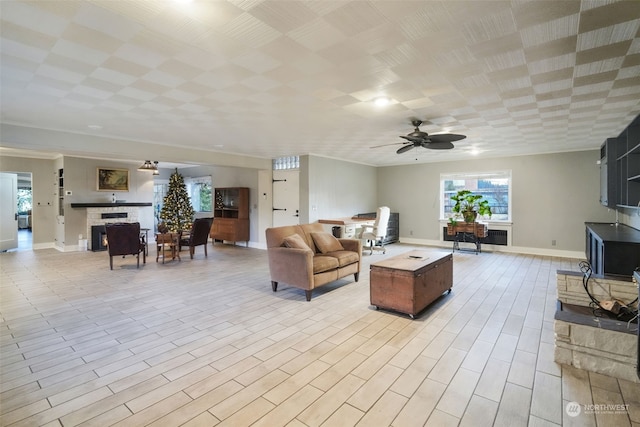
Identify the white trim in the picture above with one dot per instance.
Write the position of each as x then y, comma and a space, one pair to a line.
499, 248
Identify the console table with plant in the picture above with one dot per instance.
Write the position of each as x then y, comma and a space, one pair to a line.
468, 206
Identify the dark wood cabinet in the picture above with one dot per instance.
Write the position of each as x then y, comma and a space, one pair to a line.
620, 168
612, 249
231, 215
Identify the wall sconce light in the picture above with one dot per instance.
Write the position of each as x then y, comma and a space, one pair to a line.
148, 166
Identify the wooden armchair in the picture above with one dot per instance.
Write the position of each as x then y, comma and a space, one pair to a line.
199, 235
124, 239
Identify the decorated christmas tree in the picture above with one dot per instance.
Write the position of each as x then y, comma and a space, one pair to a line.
177, 211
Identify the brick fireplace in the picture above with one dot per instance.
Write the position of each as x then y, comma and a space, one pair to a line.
98, 217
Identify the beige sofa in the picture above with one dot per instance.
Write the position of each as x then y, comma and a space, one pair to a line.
311, 260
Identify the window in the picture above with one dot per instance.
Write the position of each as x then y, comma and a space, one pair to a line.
494, 186
199, 190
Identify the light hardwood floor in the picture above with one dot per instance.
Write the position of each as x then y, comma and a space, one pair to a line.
206, 342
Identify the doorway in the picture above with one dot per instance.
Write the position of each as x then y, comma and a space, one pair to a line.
25, 210
16, 223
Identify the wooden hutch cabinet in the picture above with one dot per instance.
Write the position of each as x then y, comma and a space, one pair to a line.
231, 215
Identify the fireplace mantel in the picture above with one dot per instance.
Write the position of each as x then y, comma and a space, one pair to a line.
108, 205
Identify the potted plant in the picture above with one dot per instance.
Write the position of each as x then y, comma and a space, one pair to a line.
469, 205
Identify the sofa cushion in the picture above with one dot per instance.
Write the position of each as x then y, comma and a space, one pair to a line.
324, 263
326, 242
345, 257
295, 241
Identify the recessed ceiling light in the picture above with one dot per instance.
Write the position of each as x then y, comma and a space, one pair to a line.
381, 101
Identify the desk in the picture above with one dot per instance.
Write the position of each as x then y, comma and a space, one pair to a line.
167, 242
350, 226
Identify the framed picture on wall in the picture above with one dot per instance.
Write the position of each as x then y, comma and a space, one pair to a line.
110, 179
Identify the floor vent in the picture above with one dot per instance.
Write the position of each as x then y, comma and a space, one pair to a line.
494, 237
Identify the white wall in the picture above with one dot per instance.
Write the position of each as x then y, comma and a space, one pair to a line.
553, 196
333, 188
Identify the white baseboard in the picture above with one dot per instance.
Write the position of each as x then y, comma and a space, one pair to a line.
499, 248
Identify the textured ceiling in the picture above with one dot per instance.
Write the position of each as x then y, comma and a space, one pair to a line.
277, 78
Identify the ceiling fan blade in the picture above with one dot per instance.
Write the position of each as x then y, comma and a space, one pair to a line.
438, 145
413, 139
405, 148
446, 137
385, 145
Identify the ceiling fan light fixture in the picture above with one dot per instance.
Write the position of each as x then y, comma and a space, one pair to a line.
148, 166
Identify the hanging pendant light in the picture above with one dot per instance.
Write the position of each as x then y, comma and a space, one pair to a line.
148, 166
155, 166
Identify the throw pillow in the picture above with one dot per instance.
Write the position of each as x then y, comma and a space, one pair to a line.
296, 241
326, 242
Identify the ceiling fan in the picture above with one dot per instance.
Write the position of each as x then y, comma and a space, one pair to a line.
417, 138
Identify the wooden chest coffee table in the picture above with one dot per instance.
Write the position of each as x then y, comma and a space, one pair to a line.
409, 282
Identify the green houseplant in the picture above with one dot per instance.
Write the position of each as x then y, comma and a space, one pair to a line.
469, 205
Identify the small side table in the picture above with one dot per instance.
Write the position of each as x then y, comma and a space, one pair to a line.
167, 243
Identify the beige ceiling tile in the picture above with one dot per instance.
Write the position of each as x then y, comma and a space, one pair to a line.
627, 72
517, 92
608, 14
105, 21
163, 79
505, 60
256, 62
260, 83
69, 64
488, 27
148, 86
551, 76
532, 13
608, 35
195, 88
598, 67
16, 63
139, 55
560, 47
631, 60
554, 63
607, 76
140, 95
317, 35
79, 52
496, 46
377, 40
125, 67
602, 88
354, 18
39, 40
92, 92
94, 39
552, 93
249, 30
509, 73
631, 81
549, 31
283, 16
59, 73
511, 85
156, 44
179, 69
599, 96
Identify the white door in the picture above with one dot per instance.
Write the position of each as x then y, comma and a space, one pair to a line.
8, 213
286, 197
